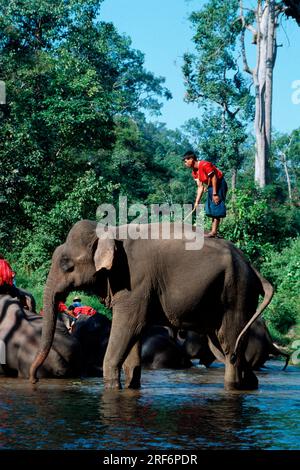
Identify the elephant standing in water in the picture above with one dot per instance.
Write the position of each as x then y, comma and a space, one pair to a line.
212, 290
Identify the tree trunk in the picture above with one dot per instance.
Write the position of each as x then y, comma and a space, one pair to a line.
263, 81
288, 179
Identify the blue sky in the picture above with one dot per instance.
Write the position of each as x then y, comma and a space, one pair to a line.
162, 31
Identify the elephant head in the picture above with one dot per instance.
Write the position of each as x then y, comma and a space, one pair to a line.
84, 262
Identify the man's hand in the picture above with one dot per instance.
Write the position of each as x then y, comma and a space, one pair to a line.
216, 199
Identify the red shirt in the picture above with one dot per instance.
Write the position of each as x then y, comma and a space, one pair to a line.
89, 311
6, 273
204, 170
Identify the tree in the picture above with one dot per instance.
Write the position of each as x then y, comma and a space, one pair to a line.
286, 151
68, 76
222, 145
262, 22
213, 80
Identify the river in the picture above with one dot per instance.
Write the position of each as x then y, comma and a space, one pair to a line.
186, 409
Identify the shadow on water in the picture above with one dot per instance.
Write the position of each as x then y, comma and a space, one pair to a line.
174, 409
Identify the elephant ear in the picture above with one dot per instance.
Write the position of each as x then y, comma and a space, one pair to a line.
105, 253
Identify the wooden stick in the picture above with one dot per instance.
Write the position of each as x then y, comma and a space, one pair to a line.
190, 213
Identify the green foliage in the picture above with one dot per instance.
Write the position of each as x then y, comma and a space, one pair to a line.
285, 162
256, 222
68, 75
50, 229
263, 227
283, 270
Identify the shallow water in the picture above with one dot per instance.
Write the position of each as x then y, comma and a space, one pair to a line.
173, 410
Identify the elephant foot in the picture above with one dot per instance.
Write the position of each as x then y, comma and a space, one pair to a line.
230, 386
112, 384
33, 380
249, 382
133, 386
133, 379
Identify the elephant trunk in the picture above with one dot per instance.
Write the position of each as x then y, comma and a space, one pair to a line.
48, 330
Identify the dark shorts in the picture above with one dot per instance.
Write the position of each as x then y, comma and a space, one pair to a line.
216, 210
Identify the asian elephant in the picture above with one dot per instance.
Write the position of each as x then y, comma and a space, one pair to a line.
145, 280
160, 349
92, 334
20, 332
259, 346
195, 346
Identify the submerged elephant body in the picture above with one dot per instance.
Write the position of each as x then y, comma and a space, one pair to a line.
259, 347
92, 333
20, 331
145, 280
161, 350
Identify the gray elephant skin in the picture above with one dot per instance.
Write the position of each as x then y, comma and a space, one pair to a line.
259, 347
72, 355
213, 291
161, 350
20, 330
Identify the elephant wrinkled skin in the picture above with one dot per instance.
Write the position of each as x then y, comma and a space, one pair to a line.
213, 290
20, 331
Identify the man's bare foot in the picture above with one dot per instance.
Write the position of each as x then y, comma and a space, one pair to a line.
210, 235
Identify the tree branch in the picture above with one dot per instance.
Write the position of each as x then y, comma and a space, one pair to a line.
244, 55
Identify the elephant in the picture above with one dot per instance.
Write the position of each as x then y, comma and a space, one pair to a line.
196, 346
146, 279
260, 346
258, 349
27, 299
20, 331
92, 334
160, 350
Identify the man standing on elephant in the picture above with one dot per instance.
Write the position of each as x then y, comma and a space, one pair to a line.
207, 174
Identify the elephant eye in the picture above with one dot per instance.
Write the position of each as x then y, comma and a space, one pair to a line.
66, 264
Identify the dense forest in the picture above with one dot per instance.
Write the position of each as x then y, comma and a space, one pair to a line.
74, 134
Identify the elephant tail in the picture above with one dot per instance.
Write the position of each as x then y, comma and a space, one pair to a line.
267, 291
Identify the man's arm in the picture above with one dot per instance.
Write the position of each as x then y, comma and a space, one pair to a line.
214, 183
200, 191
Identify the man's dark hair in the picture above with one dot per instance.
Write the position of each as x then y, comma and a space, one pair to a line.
189, 154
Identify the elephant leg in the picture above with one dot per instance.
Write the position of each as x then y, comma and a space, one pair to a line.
226, 337
238, 376
126, 326
232, 377
132, 367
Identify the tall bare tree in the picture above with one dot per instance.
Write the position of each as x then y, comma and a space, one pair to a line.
262, 22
